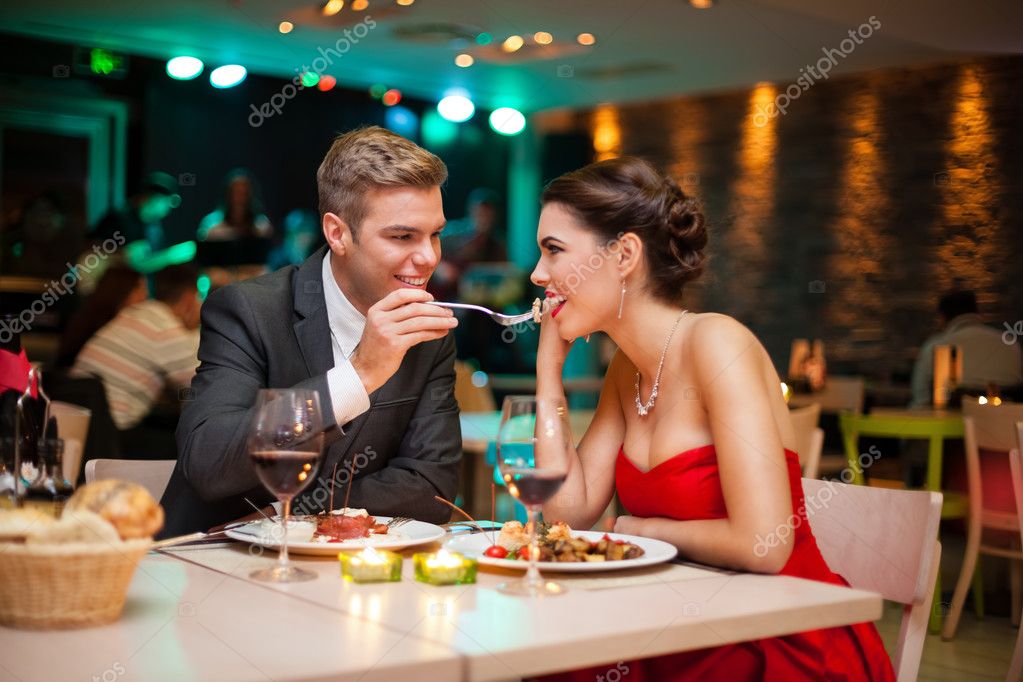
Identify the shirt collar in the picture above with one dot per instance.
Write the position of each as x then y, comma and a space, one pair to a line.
346, 322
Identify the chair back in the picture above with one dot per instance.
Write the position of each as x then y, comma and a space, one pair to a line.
993, 425
73, 427
808, 446
843, 394
469, 396
885, 541
153, 475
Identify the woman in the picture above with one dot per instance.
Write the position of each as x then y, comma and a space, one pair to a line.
691, 429
240, 213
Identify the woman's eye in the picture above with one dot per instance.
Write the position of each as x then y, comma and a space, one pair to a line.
553, 249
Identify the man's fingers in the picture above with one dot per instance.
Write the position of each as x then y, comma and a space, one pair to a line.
425, 323
416, 338
401, 297
412, 310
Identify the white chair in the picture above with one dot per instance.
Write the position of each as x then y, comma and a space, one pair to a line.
153, 475
885, 541
73, 427
1016, 465
809, 437
990, 428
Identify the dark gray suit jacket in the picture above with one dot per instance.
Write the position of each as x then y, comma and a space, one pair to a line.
272, 332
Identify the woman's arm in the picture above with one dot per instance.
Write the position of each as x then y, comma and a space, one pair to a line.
728, 365
589, 486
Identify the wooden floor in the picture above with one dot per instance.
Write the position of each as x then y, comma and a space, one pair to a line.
980, 651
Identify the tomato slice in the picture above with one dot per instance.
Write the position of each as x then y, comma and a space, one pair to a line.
496, 552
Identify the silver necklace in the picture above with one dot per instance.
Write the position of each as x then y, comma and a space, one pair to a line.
644, 408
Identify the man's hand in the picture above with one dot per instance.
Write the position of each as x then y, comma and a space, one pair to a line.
394, 324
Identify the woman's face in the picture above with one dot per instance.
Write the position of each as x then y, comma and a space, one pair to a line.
576, 268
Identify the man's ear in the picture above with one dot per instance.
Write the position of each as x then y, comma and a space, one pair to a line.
629, 253
337, 233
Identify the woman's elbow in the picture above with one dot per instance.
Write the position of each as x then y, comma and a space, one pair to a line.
769, 558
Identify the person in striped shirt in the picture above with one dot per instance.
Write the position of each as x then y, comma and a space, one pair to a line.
148, 348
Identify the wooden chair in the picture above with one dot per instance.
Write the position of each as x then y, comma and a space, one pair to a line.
1016, 465
469, 396
809, 437
153, 475
934, 429
885, 541
990, 428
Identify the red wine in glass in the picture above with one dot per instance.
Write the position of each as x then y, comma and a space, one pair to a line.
285, 473
533, 487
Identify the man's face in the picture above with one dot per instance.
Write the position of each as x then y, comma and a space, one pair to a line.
396, 246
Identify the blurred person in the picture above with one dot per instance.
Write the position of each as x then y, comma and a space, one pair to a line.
41, 243
119, 287
148, 348
302, 235
138, 228
351, 322
987, 359
239, 213
469, 240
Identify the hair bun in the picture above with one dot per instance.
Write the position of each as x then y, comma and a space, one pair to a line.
687, 232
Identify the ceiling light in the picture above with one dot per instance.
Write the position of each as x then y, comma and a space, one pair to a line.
333, 7
512, 43
586, 39
359, 5
543, 38
701, 4
184, 68
285, 27
228, 76
456, 108
464, 60
507, 121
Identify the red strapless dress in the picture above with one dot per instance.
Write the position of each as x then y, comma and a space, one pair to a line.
687, 487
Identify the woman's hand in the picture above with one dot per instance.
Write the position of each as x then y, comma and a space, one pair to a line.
630, 525
552, 349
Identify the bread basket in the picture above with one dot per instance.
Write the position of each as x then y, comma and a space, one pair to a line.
72, 585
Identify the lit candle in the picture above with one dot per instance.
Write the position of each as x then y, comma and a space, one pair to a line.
444, 568
370, 565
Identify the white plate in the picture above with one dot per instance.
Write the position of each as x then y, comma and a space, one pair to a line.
407, 535
654, 552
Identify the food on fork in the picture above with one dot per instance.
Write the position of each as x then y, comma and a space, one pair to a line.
537, 312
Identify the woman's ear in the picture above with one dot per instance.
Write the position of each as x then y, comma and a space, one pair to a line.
337, 233
629, 253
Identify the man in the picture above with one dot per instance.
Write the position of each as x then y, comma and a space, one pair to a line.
353, 323
148, 347
986, 358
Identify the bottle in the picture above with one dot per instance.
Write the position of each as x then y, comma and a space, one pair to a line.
8, 489
21, 410
49, 493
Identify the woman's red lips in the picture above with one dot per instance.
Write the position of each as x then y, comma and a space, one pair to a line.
554, 313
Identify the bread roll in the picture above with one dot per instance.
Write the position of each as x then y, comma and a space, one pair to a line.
127, 506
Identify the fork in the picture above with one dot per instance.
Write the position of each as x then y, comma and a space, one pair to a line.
501, 319
397, 522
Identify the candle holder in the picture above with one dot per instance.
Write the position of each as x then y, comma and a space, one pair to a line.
370, 566
444, 568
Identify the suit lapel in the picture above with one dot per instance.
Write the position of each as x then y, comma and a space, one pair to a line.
312, 329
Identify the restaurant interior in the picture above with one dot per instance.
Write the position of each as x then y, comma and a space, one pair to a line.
161, 185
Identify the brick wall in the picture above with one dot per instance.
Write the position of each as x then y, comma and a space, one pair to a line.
845, 217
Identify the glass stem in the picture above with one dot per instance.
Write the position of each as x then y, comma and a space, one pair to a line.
532, 577
282, 558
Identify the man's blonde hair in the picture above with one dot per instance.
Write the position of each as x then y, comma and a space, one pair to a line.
367, 158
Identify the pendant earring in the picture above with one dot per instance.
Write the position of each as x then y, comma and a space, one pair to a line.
621, 301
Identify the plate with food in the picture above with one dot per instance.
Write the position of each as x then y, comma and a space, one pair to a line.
328, 534
563, 549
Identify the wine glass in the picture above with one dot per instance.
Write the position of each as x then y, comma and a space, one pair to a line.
286, 448
529, 427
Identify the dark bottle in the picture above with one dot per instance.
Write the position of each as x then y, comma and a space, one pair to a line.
21, 412
51, 490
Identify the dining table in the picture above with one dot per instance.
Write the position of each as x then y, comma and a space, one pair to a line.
193, 613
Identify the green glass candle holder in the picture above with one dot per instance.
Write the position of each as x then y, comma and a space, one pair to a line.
444, 568
370, 566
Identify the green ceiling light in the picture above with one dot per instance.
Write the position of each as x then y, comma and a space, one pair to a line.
228, 76
484, 38
310, 79
507, 121
377, 90
184, 68
437, 131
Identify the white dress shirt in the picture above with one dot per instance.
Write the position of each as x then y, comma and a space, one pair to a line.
347, 394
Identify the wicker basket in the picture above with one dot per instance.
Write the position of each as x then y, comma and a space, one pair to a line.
72, 585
